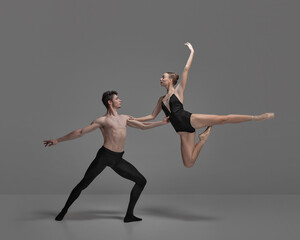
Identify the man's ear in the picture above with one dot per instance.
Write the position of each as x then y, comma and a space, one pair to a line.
109, 102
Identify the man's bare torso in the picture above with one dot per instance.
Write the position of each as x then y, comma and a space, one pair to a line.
114, 129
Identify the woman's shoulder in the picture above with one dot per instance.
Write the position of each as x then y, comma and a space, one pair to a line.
161, 98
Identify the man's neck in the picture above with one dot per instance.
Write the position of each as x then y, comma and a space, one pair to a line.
112, 112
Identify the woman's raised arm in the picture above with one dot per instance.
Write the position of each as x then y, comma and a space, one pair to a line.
181, 86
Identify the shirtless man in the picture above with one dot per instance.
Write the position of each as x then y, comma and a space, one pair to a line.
113, 127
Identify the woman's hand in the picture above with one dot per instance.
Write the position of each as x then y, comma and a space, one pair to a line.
166, 120
189, 46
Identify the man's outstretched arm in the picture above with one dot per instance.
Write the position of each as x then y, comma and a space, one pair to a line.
74, 134
146, 125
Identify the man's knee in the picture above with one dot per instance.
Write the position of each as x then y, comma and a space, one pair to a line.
85, 182
142, 182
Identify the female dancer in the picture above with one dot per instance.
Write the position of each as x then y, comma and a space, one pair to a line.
185, 122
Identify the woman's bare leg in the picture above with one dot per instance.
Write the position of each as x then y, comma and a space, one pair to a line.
204, 120
202, 139
189, 150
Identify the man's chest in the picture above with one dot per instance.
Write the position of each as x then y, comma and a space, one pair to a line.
116, 123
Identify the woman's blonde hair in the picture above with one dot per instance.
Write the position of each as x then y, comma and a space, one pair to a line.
174, 77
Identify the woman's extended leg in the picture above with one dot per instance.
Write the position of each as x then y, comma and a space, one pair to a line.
205, 120
190, 150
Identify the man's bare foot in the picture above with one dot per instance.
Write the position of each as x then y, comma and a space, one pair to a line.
204, 136
264, 116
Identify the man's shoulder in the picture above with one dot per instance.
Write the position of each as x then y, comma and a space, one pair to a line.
100, 119
124, 116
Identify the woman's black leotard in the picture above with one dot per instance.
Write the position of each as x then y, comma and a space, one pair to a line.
179, 118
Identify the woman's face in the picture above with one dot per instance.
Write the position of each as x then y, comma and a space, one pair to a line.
165, 81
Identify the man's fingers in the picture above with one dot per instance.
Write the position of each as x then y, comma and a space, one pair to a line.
48, 143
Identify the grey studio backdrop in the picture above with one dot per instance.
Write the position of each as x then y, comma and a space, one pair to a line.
58, 57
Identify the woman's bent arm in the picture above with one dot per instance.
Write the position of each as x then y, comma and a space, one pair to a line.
154, 114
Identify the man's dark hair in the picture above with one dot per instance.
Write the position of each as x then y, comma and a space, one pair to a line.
108, 95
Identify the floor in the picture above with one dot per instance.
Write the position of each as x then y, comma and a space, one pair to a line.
165, 217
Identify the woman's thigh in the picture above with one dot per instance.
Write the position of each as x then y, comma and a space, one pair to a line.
205, 120
187, 141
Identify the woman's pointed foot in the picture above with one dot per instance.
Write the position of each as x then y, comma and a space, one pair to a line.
204, 136
264, 116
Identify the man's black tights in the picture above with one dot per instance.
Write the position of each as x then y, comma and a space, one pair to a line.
104, 158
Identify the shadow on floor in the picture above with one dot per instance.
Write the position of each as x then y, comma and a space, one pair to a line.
175, 213
153, 211
77, 216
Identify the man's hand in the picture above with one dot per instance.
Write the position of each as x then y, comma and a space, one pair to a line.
51, 142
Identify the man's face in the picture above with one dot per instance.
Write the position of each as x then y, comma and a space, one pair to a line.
116, 102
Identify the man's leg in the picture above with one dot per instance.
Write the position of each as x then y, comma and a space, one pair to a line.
96, 167
128, 171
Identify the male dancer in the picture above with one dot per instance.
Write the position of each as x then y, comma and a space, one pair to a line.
113, 127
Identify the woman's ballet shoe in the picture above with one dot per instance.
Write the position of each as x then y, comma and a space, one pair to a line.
204, 136
264, 116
